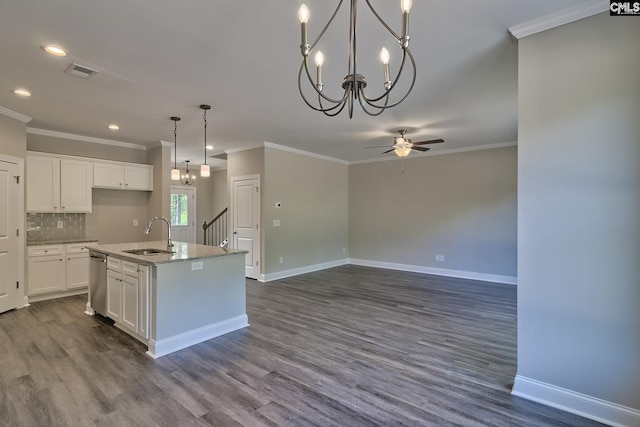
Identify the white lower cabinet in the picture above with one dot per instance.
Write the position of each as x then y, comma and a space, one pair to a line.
127, 296
57, 270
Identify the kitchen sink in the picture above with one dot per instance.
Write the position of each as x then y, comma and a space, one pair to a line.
148, 251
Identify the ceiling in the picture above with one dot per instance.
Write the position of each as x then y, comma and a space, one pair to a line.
161, 58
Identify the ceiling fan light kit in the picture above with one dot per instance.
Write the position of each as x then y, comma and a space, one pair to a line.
403, 146
354, 83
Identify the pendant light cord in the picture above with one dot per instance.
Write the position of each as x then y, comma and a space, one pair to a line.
175, 144
205, 136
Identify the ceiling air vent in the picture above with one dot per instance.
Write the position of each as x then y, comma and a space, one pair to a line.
80, 71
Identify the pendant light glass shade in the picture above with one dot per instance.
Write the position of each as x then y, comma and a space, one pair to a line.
205, 171
175, 172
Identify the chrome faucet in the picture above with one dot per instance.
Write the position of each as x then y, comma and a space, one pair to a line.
148, 230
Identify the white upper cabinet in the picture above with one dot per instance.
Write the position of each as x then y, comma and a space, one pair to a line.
123, 176
58, 185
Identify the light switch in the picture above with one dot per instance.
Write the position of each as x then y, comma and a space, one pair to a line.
196, 265
135, 222
276, 223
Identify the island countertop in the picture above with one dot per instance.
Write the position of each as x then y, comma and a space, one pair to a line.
182, 251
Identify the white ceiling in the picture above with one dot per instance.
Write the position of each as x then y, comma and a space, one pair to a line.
160, 58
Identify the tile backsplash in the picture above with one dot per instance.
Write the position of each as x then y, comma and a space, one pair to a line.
44, 226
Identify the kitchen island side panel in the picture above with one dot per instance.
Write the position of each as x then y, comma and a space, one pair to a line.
188, 299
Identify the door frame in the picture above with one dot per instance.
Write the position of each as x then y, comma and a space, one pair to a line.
194, 230
21, 297
232, 224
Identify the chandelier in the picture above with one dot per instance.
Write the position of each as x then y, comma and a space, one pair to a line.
186, 179
354, 83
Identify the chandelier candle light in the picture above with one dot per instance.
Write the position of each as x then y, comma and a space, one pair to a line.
355, 83
175, 172
205, 171
187, 179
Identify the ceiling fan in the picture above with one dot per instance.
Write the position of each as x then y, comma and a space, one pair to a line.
402, 146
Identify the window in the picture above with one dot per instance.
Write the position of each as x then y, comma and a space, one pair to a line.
179, 209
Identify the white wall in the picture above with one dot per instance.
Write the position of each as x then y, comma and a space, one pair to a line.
579, 218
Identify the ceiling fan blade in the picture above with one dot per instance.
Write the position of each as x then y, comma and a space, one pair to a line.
432, 141
378, 146
388, 151
421, 148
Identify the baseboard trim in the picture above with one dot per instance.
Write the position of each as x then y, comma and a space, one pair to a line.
494, 278
178, 342
301, 270
575, 403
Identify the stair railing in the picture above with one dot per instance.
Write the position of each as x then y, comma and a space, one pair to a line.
215, 231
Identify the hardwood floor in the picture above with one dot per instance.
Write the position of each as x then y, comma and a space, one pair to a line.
349, 346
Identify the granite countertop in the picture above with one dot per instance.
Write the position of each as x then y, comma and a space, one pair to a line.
181, 251
60, 241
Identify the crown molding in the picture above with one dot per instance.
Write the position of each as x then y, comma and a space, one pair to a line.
303, 153
55, 134
559, 18
160, 143
442, 152
243, 148
10, 113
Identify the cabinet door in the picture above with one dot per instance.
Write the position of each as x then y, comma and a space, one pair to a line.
106, 175
76, 179
43, 184
114, 295
45, 274
138, 178
77, 271
130, 303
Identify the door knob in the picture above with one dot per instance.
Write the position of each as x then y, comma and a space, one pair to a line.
235, 232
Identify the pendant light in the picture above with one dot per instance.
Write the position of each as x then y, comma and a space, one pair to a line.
175, 172
205, 171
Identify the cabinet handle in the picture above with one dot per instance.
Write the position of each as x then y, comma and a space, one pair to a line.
46, 251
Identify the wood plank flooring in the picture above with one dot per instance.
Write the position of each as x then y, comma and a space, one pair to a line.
348, 346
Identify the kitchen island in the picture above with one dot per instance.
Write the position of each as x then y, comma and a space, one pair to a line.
171, 300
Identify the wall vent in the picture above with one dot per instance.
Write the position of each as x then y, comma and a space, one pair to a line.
80, 71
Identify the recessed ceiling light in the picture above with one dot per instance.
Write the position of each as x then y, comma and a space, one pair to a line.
209, 147
114, 127
22, 92
54, 50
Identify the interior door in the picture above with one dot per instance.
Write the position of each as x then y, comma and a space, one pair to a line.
245, 220
9, 213
183, 214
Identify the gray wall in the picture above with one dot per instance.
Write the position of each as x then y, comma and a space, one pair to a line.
314, 214
70, 147
113, 213
579, 209
159, 200
220, 191
13, 140
462, 206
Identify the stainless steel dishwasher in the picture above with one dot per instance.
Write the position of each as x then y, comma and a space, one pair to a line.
98, 282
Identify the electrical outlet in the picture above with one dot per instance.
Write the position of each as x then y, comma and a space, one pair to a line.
439, 258
60, 224
135, 222
196, 265
281, 260
276, 223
